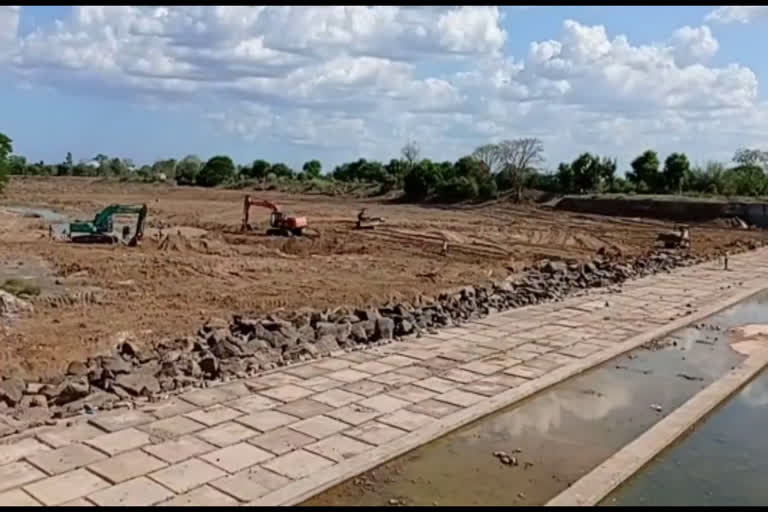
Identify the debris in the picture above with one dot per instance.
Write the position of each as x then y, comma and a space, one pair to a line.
689, 377
656, 407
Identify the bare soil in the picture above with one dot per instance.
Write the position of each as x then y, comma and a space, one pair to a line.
92, 293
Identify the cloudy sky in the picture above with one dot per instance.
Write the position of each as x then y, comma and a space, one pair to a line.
336, 83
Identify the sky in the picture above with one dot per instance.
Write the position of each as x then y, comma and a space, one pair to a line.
337, 83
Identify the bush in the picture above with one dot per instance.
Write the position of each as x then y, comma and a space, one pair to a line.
420, 181
216, 171
459, 188
487, 189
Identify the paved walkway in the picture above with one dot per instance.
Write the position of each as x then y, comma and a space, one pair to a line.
282, 437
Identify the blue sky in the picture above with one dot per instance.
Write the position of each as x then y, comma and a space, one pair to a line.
318, 82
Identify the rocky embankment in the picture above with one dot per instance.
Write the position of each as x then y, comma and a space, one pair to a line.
247, 346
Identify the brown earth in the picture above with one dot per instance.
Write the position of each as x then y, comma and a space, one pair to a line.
90, 294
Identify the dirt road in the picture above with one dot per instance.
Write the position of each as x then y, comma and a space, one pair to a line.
90, 294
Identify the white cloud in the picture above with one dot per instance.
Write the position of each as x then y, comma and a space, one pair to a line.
366, 79
9, 23
739, 14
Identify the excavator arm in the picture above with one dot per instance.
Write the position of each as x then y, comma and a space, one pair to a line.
248, 201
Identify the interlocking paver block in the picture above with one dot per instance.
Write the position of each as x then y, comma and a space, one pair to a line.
460, 398
139, 492
336, 397
393, 379
168, 408
348, 375
359, 356
460, 376
213, 415
20, 449
534, 347
398, 360
265, 421
526, 372
251, 483
543, 363
509, 381
365, 388
65, 458
434, 408
66, 487
174, 426
319, 426
17, 498
205, 496
418, 372
236, 457
298, 464
373, 367
384, 403
187, 475
209, 396
227, 433
375, 433
438, 363
307, 371
481, 367
281, 440
305, 408
287, 393
484, 387
412, 394
321, 384
120, 420
406, 420
17, 474
333, 364
338, 447
126, 466
580, 350
68, 435
436, 384
176, 450
273, 380
521, 355
354, 414
79, 502
253, 403
120, 441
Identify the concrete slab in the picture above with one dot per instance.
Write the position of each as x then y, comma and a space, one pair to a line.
227, 433
187, 475
126, 466
179, 449
139, 492
265, 421
298, 464
65, 458
282, 440
237, 457
66, 487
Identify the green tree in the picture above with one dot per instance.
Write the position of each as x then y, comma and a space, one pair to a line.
586, 173
216, 171
281, 170
165, 167
565, 179
645, 172
312, 169
17, 164
676, 168
258, 170
188, 169
6, 148
421, 180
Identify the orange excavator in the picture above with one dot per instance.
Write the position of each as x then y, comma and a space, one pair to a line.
279, 223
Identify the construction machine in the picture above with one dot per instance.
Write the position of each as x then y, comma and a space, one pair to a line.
366, 222
107, 228
280, 223
681, 239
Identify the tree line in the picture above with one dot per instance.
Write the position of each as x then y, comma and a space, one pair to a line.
509, 166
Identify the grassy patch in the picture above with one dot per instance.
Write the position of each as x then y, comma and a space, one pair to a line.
20, 288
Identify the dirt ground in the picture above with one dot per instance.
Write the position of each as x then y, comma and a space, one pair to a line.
90, 294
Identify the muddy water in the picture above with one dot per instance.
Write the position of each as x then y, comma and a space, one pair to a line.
724, 461
558, 435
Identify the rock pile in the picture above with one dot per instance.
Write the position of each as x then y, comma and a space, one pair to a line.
246, 346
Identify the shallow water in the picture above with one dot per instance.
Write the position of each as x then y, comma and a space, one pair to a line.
561, 433
724, 461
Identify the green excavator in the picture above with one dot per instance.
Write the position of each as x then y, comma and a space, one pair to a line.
104, 229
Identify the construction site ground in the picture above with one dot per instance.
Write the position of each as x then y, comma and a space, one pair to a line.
90, 295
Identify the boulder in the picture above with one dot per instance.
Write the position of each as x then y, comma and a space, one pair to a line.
138, 384
11, 391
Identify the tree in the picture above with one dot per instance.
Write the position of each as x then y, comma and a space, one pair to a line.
165, 168
258, 170
676, 168
17, 164
645, 172
490, 156
187, 170
216, 171
281, 170
312, 169
6, 148
518, 158
751, 157
565, 178
421, 180
410, 152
